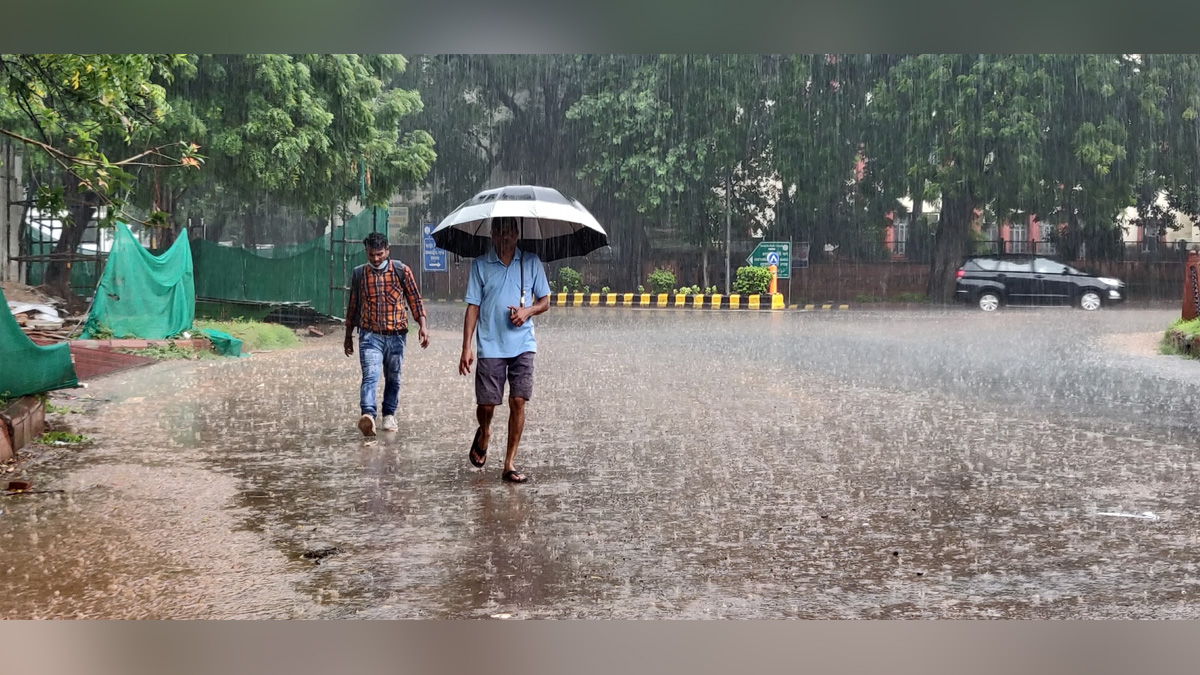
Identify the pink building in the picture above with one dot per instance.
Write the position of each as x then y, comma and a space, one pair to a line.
1020, 235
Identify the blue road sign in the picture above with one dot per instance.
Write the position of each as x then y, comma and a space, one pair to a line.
434, 257
773, 258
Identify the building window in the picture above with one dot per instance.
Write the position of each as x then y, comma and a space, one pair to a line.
1018, 234
901, 236
1046, 246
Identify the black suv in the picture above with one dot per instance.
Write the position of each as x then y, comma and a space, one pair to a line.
991, 282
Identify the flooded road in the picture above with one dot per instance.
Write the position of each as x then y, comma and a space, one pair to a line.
931, 464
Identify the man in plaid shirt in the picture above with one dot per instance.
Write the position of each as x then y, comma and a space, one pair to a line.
375, 308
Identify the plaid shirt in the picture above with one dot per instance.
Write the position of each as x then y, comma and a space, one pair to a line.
375, 298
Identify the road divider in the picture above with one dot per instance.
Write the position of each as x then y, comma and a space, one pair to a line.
668, 300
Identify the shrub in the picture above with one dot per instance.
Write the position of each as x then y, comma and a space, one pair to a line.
867, 298
909, 296
641, 288
661, 281
711, 290
752, 280
570, 281
605, 290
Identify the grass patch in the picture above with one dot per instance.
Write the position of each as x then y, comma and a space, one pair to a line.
1190, 330
172, 351
255, 335
62, 410
863, 298
909, 296
53, 437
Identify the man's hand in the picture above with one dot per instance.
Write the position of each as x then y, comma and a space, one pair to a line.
519, 316
349, 344
465, 361
424, 336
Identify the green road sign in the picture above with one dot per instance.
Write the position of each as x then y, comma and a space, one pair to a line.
777, 253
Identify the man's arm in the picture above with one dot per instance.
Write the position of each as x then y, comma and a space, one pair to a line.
541, 291
474, 299
352, 303
413, 294
468, 353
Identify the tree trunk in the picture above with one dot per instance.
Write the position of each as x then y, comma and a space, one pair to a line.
82, 209
728, 228
705, 267
912, 253
950, 246
250, 229
1072, 237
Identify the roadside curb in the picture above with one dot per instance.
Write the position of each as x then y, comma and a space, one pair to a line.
194, 343
660, 301
21, 421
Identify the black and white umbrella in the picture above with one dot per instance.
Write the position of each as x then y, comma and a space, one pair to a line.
551, 225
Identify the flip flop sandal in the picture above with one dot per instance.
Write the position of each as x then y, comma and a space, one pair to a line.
475, 451
515, 476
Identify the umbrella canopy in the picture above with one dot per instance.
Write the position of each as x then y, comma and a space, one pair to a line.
551, 225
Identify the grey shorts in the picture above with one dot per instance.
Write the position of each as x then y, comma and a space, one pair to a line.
490, 375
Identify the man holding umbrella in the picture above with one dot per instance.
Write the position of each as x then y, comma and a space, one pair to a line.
510, 231
500, 284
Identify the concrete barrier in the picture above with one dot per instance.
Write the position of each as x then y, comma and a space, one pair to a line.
669, 300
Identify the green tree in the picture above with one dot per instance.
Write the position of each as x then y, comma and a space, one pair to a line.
970, 129
818, 129
305, 131
87, 116
1168, 96
1095, 149
682, 138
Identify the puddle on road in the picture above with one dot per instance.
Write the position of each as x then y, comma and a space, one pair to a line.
709, 472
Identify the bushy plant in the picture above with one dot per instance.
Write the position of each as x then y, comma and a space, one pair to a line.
605, 290
752, 280
909, 296
683, 291
570, 280
711, 290
641, 288
661, 280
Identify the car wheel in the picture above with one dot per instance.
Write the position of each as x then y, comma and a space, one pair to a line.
1090, 301
989, 301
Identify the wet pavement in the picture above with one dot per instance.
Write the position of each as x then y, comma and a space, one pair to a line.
923, 464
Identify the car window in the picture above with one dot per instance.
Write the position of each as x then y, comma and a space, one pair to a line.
1043, 266
1013, 266
986, 264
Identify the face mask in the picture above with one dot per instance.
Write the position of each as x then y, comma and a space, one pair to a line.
381, 266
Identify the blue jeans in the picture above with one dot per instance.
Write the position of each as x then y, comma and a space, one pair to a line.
377, 352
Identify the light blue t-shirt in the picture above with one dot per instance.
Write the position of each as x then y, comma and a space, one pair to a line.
495, 287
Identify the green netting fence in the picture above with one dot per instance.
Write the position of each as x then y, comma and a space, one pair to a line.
295, 273
27, 368
141, 294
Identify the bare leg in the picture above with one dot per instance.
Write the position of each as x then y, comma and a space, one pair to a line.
484, 413
516, 425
